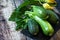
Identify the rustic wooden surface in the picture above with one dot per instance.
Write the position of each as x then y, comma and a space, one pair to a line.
56, 36
7, 28
4, 29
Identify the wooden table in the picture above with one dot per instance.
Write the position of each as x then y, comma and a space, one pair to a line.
7, 28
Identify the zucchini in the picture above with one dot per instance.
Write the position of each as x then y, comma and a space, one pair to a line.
33, 27
45, 25
40, 11
53, 17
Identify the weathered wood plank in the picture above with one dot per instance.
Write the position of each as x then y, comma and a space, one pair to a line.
9, 26
4, 29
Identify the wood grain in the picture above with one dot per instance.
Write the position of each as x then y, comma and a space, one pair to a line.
8, 27
4, 29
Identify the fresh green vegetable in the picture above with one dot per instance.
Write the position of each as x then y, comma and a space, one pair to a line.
53, 17
18, 16
33, 27
45, 25
21, 9
21, 24
34, 14
40, 11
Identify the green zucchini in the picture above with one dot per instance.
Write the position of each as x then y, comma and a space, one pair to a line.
53, 17
40, 11
45, 25
33, 27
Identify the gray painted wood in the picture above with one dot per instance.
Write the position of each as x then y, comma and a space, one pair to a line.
4, 29
8, 27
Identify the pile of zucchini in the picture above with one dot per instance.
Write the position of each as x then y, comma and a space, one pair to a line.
35, 14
